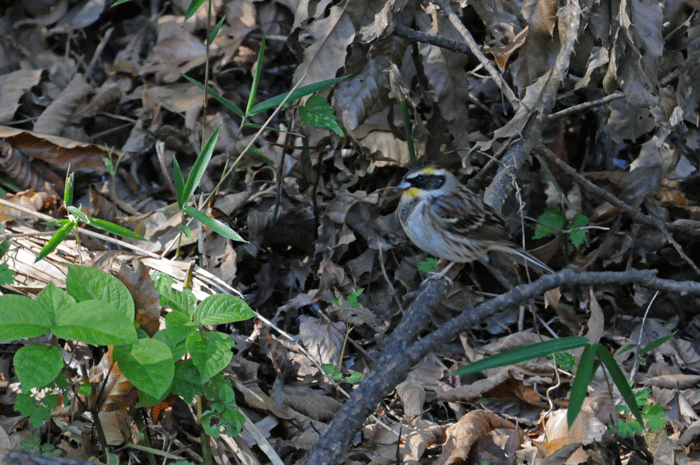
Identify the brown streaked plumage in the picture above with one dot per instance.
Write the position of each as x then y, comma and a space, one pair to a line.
445, 219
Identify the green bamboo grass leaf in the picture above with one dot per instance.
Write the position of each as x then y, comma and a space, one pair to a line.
68, 191
524, 353
78, 213
215, 225
114, 228
271, 129
579, 389
297, 94
214, 32
256, 77
654, 344
179, 182
57, 223
259, 154
192, 9
56, 239
620, 381
200, 165
119, 2
224, 101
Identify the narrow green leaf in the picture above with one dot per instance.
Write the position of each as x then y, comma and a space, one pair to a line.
619, 379
179, 183
199, 167
214, 32
78, 214
654, 344
579, 389
68, 190
215, 225
57, 223
114, 228
260, 155
56, 239
109, 165
625, 348
192, 8
226, 102
524, 353
248, 124
222, 308
297, 94
153, 451
120, 2
37, 365
256, 76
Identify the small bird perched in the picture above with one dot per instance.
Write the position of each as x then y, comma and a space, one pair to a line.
445, 219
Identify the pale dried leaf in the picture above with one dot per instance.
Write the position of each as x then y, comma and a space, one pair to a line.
59, 114
412, 394
12, 87
585, 429
323, 340
462, 435
326, 53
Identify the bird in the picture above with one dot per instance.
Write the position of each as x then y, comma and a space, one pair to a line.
444, 218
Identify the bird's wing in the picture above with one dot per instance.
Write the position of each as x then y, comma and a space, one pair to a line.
465, 214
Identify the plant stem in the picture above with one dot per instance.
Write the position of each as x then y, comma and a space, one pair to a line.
409, 133
94, 411
141, 425
206, 449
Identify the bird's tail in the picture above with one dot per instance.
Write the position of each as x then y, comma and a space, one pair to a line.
514, 250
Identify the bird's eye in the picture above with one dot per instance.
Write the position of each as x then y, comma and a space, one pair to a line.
420, 179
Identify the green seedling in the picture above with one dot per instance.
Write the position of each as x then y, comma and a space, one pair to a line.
75, 217
553, 220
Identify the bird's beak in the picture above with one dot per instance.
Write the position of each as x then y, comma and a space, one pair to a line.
404, 185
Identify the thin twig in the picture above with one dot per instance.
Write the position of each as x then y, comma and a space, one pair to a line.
98, 52
476, 50
398, 358
585, 106
610, 198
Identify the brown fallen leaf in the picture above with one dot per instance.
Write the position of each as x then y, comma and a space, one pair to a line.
58, 151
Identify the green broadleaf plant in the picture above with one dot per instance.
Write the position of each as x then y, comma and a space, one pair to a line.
98, 309
553, 220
